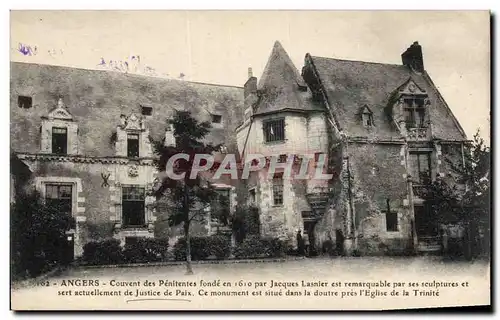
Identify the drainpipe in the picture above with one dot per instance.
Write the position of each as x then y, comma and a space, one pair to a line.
409, 183
351, 208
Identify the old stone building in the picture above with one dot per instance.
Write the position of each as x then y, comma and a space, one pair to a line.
84, 135
378, 129
383, 129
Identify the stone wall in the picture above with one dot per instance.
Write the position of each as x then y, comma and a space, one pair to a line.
378, 173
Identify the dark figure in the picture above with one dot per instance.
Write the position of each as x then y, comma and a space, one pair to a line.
300, 244
339, 239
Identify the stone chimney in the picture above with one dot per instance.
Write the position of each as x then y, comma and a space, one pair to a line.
413, 58
251, 84
250, 94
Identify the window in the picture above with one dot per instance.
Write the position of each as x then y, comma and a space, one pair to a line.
222, 205
146, 111
216, 118
59, 140
223, 195
282, 158
414, 112
133, 206
391, 218
274, 130
133, 145
278, 190
60, 196
367, 119
24, 102
391, 221
420, 167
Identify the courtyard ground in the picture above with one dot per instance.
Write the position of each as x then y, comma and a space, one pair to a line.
471, 280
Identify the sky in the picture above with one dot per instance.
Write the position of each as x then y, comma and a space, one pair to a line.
219, 46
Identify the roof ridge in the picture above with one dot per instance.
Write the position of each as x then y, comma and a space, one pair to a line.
128, 74
359, 61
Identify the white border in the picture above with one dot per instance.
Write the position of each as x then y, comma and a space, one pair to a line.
186, 4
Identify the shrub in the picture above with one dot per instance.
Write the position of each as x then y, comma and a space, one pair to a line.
256, 247
103, 252
146, 250
198, 249
219, 246
203, 247
274, 247
251, 247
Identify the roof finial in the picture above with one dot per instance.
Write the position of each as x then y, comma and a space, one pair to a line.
250, 72
60, 103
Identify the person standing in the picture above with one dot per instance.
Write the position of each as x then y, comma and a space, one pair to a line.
305, 240
300, 243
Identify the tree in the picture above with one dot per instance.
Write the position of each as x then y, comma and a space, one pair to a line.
189, 197
465, 198
38, 235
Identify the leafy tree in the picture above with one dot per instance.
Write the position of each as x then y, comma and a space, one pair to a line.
188, 199
38, 235
465, 198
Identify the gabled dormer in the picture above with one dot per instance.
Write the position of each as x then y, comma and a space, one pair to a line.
366, 117
409, 109
132, 137
59, 132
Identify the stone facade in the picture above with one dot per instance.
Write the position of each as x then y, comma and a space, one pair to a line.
98, 111
354, 115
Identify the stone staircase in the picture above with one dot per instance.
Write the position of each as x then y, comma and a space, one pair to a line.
319, 200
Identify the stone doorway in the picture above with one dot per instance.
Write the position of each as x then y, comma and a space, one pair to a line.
427, 230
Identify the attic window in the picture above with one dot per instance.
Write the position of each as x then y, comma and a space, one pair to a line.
146, 111
24, 102
216, 118
367, 119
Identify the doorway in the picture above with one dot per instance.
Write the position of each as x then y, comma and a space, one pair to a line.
425, 223
309, 232
68, 249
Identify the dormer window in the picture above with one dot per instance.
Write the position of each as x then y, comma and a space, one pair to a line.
132, 137
132, 145
59, 132
59, 140
367, 117
414, 112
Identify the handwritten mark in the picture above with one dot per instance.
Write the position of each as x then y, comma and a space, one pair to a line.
27, 50
130, 64
158, 299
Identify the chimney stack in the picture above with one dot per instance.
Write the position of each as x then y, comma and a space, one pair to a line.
413, 58
250, 86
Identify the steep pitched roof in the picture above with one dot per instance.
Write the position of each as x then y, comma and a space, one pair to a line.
352, 84
282, 87
97, 98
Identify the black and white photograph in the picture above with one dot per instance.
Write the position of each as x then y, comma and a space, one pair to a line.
249, 160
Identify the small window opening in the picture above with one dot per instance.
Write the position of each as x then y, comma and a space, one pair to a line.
216, 118
146, 111
24, 102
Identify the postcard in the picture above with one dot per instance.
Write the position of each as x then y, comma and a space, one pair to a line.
249, 160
